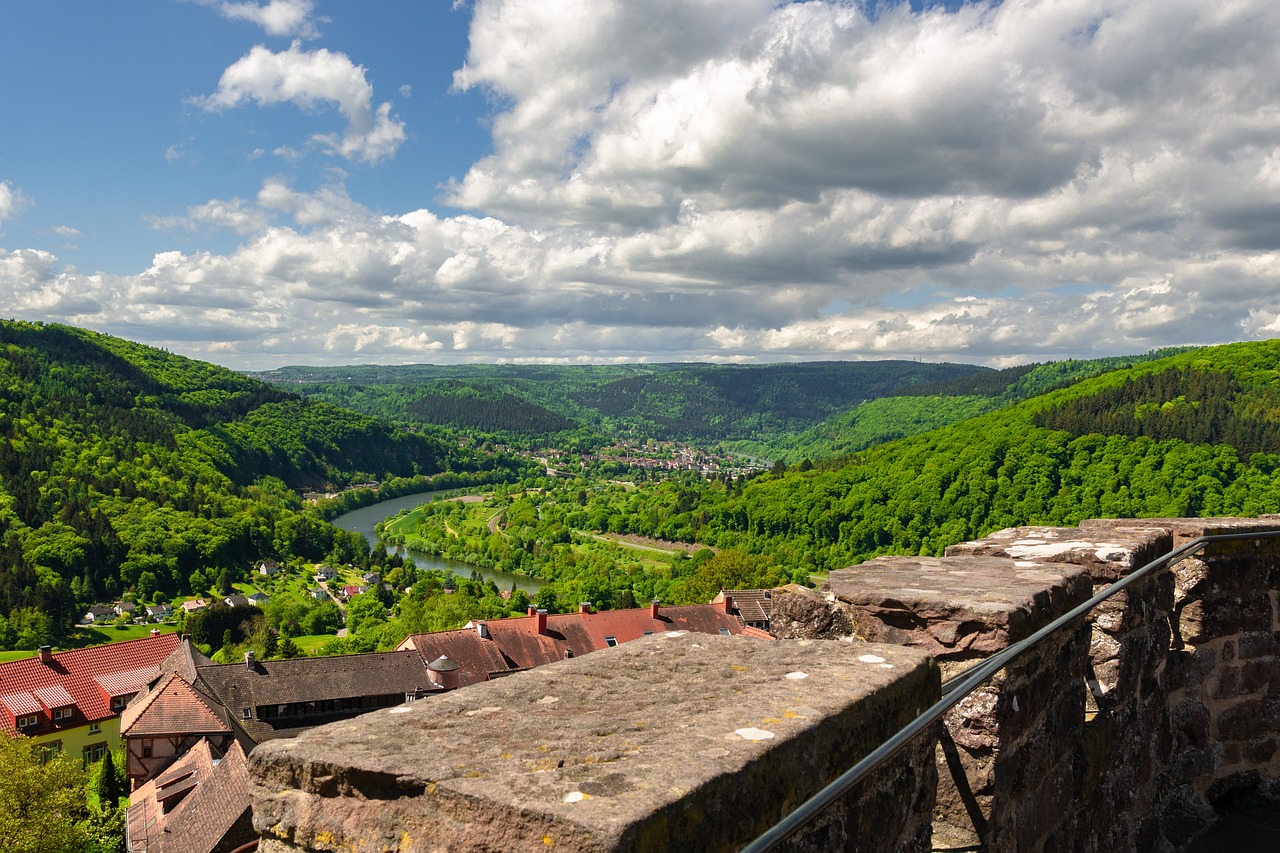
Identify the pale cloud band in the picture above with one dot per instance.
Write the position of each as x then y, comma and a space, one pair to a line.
737, 180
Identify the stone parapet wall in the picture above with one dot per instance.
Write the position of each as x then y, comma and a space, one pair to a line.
1123, 731
688, 742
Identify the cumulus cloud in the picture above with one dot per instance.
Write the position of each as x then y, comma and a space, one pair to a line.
737, 179
11, 201
277, 17
309, 79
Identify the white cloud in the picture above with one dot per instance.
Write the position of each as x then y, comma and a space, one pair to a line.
12, 201
736, 179
277, 17
309, 79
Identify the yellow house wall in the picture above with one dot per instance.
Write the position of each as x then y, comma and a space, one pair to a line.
76, 739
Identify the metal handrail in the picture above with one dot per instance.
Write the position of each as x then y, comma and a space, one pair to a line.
958, 687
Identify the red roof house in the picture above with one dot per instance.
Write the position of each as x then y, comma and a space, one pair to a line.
51, 694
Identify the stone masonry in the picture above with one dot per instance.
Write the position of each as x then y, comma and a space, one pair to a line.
687, 742
1128, 730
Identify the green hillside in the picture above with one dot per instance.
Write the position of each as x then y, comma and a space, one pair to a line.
1193, 434
119, 462
922, 407
694, 402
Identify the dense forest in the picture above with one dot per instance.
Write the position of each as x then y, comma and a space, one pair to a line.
693, 402
123, 465
126, 468
1191, 434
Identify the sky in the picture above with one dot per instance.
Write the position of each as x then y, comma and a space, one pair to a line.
260, 184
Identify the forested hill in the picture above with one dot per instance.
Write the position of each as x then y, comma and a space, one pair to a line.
1193, 434
119, 461
925, 406
700, 402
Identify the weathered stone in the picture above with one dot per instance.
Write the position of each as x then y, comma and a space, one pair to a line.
670, 742
956, 607
1256, 644
805, 614
1107, 558
1247, 719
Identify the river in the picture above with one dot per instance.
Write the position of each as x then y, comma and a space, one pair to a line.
364, 519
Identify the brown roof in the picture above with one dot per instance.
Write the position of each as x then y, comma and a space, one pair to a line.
171, 707
198, 805
479, 658
516, 644
752, 605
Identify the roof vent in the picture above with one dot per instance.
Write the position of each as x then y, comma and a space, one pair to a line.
483, 630
444, 673
248, 659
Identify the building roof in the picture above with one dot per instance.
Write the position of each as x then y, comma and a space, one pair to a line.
236, 686
478, 658
172, 707
199, 804
751, 605
89, 677
515, 644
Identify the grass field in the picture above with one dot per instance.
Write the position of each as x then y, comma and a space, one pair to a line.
84, 637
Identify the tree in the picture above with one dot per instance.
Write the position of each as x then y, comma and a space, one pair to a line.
42, 806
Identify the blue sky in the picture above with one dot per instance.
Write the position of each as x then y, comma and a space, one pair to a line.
298, 181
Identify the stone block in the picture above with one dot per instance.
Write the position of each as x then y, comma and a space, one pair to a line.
1108, 555
688, 742
956, 608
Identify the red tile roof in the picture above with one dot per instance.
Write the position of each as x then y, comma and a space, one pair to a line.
81, 673
172, 707
516, 644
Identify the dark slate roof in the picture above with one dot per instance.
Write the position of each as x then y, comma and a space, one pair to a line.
90, 677
236, 686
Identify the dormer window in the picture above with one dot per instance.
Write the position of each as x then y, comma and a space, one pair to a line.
611, 641
60, 714
29, 721
118, 703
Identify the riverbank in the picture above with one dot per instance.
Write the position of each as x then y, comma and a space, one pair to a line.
365, 520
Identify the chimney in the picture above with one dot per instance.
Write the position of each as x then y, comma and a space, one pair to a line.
728, 604
653, 609
542, 621
482, 630
46, 655
155, 632
533, 610
248, 659
584, 606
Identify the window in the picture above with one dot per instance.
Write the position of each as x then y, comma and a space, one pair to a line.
28, 721
92, 753
724, 632
118, 702
648, 633
611, 641
49, 750
60, 714
146, 747
247, 713
94, 728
